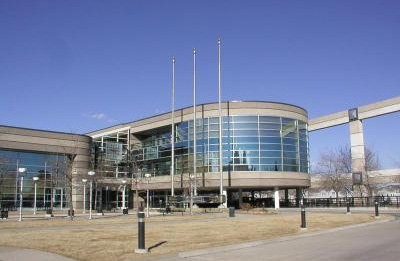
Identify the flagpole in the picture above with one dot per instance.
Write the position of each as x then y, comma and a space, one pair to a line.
173, 129
194, 123
220, 120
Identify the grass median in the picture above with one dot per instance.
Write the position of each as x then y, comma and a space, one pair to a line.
116, 238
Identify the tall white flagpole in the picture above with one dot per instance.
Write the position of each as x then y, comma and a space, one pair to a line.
221, 189
173, 129
194, 124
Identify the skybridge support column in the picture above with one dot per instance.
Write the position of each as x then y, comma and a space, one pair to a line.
276, 197
357, 149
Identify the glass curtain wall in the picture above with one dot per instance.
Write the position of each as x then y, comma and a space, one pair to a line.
250, 143
110, 155
49, 168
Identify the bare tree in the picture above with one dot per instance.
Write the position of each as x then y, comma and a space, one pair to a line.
3, 170
65, 164
335, 167
3, 173
371, 163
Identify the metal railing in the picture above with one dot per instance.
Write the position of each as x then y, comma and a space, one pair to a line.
384, 201
326, 202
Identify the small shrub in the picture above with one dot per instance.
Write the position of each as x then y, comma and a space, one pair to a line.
246, 206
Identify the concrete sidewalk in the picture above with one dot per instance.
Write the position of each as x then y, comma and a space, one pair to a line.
19, 254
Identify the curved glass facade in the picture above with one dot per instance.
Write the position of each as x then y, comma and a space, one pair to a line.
250, 143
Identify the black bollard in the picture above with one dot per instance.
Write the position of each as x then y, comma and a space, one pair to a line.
376, 209
231, 212
303, 217
348, 207
141, 235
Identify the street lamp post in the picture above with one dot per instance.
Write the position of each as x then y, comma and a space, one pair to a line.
84, 195
22, 171
35, 179
191, 177
91, 174
123, 194
147, 177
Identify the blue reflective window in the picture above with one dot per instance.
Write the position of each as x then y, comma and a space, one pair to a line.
289, 141
245, 119
245, 126
270, 154
245, 140
287, 154
270, 140
272, 133
270, 147
213, 134
270, 161
246, 153
213, 147
213, 127
246, 133
245, 160
245, 146
213, 120
289, 161
270, 126
290, 148
270, 119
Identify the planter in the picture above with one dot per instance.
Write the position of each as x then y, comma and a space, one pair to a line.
49, 212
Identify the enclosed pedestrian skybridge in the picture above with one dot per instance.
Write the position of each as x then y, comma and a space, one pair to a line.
354, 118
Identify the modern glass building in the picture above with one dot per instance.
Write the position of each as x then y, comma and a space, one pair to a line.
265, 148
264, 151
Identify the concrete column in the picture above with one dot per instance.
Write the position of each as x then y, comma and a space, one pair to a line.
357, 147
287, 197
276, 197
240, 194
225, 193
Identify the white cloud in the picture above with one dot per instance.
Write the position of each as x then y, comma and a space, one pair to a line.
99, 116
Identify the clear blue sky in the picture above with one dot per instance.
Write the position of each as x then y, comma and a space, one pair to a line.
83, 65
